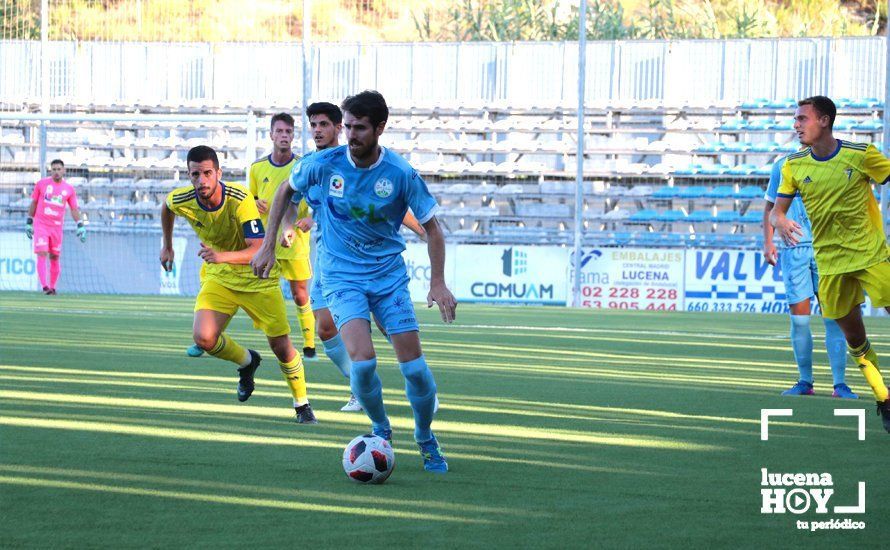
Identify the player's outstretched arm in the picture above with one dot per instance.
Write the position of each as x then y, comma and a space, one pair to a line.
264, 259
769, 247
167, 219
788, 230
411, 223
439, 292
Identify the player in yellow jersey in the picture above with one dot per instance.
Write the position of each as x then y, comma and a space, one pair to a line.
225, 218
265, 176
833, 178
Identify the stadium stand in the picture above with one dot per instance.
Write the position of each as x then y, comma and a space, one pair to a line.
657, 175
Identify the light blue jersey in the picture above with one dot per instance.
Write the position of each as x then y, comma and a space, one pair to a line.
360, 210
796, 211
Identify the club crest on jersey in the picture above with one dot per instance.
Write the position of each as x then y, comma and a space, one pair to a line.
383, 188
335, 189
807, 180
849, 172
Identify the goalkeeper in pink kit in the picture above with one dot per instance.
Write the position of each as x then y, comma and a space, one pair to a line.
45, 220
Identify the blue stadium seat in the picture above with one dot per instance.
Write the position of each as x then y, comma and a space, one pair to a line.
762, 124
787, 103
869, 126
842, 102
714, 169
765, 147
726, 216
666, 192
752, 216
765, 170
733, 125
670, 216
784, 124
742, 170
757, 103
645, 215
689, 170
700, 216
712, 147
739, 146
865, 103
693, 192
749, 192
721, 192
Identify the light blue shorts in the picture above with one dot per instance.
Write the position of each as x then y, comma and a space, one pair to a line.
388, 298
316, 293
799, 273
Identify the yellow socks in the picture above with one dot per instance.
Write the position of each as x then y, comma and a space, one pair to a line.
867, 359
230, 350
307, 325
295, 378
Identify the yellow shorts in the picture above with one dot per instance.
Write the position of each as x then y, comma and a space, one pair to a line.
839, 294
296, 270
266, 308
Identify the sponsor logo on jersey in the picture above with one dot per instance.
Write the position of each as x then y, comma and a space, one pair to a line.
335, 189
807, 180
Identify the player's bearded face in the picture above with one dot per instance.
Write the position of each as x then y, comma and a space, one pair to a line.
282, 135
58, 172
361, 135
205, 178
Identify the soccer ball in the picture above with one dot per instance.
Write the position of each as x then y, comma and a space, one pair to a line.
368, 459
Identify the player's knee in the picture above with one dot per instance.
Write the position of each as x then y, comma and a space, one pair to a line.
205, 340
326, 329
301, 297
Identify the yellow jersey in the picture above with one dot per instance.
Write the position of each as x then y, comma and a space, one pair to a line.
848, 232
265, 177
223, 229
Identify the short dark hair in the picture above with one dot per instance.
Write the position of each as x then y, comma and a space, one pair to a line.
283, 117
328, 109
202, 153
369, 103
56, 161
823, 105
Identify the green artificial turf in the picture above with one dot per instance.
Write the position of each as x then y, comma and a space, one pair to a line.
563, 428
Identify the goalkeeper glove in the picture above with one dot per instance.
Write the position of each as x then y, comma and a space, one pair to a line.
81, 232
29, 227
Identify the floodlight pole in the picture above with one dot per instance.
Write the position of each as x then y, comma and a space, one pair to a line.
579, 164
44, 81
886, 133
307, 74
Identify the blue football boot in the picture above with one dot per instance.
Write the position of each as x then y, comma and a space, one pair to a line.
433, 459
801, 388
843, 391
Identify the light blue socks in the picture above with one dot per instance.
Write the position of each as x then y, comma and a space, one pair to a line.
802, 344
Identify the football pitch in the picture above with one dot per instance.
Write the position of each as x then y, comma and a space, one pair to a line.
563, 428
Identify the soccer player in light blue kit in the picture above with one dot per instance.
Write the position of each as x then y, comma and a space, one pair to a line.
801, 279
366, 191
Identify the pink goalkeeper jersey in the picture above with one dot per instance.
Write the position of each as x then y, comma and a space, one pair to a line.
51, 198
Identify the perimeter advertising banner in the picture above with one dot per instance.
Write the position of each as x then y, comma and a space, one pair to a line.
417, 261
630, 278
18, 270
733, 281
170, 279
511, 274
